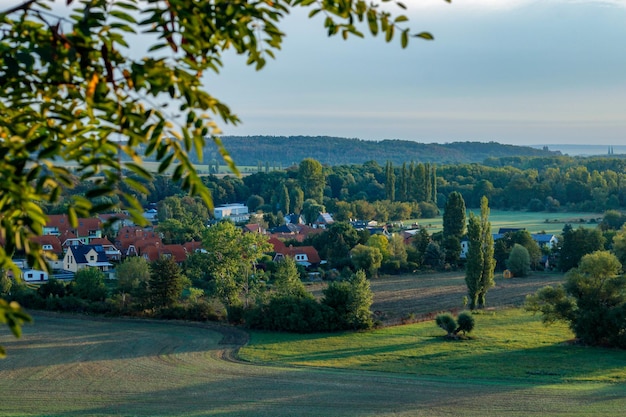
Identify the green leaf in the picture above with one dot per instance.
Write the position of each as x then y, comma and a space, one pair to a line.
425, 35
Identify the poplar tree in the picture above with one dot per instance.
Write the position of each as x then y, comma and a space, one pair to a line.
390, 182
403, 183
489, 262
474, 265
453, 226
480, 261
284, 201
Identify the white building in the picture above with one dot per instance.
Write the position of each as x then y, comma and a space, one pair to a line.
235, 212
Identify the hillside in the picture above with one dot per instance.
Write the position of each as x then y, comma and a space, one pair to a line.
285, 151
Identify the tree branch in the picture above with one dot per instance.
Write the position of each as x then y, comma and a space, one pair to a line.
24, 6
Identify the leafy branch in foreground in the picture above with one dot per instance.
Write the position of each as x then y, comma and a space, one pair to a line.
72, 91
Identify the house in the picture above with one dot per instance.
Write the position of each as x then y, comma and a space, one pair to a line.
154, 252
254, 228
130, 238
85, 256
236, 212
112, 252
545, 240
151, 215
34, 275
87, 228
51, 245
306, 256
293, 219
323, 221
115, 221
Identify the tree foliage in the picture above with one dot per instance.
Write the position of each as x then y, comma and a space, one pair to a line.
88, 284
366, 258
287, 282
519, 261
577, 243
351, 301
132, 274
232, 260
480, 261
592, 301
166, 283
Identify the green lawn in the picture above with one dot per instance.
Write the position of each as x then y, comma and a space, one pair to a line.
506, 345
534, 222
77, 366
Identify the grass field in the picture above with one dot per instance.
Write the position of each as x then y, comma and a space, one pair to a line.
534, 222
513, 365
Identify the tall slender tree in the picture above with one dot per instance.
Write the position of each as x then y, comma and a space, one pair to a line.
480, 261
474, 265
403, 183
453, 227
489, 262
390, 182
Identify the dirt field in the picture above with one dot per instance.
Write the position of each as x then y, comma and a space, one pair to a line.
422, 296
414, 297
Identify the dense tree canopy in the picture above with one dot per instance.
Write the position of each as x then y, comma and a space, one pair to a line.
592, 301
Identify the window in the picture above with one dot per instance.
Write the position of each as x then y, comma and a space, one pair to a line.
92, 258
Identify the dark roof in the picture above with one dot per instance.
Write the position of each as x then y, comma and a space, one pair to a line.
504, 230
81, 251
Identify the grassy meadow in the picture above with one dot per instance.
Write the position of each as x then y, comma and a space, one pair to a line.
510, 365
534, 222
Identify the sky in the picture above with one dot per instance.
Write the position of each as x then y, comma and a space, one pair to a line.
525, 72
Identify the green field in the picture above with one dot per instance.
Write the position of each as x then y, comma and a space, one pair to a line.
512, 365
534, 222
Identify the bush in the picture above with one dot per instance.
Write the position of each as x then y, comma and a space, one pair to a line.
446, 322
465, 322
592, 301
291, 314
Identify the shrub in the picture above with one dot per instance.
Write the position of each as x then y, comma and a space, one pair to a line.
465, 322
290, 314
446, 322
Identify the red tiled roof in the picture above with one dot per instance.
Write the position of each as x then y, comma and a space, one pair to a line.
50, 240
177, 252
291, 251
62, 223
192, 246
310, 252
100, 241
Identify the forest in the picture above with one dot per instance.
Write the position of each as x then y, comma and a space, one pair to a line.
285, 151
414, 189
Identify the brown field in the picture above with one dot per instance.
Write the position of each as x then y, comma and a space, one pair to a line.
415, 297
422, 296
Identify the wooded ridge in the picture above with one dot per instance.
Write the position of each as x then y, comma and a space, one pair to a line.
290, 150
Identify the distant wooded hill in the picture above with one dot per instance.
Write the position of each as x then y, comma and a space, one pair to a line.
289, 150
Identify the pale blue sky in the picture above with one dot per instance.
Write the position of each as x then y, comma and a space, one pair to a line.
517, 71
528, 72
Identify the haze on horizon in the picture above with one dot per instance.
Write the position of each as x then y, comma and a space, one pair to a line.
524, 72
